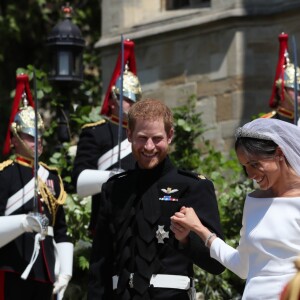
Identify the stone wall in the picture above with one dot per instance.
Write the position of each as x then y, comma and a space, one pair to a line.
224, 53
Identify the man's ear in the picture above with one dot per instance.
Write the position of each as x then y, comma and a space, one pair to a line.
129, 135
170, 135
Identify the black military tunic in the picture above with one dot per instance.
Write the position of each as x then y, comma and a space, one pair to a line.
16, 255
133, 206
95, 140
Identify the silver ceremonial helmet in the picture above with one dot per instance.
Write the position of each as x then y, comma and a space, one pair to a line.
24, 122
131, 86
288, 78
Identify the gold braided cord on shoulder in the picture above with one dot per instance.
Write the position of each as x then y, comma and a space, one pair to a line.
48, 167
269, 115
5, 164
61, 199
102, 121
63, 195
50, 200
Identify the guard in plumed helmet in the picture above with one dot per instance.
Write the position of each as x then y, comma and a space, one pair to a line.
22, 128
282, 99
103, 148
29, 228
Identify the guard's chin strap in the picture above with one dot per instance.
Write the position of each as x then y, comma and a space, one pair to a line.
29, 151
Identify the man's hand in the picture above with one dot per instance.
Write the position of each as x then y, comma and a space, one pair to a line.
187, 218
181, 233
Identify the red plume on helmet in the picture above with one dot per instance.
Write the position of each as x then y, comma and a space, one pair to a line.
22, 87
129, 59
282, 61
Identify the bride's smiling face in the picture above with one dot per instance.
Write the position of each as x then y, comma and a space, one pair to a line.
266, 171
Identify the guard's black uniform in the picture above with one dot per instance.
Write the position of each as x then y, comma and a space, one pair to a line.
133, 206
95, 140
16, 255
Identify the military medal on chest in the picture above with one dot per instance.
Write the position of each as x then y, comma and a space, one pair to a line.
168, 191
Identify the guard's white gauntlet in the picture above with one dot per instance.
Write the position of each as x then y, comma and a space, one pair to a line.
13, 226
65, 260
36, 222
115, 171
90, 182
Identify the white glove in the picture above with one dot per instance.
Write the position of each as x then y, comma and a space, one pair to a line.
11, 227
90, 182
115, 171
60, 285
35, 222
65, 260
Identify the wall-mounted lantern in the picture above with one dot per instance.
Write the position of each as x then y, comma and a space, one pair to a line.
66, 45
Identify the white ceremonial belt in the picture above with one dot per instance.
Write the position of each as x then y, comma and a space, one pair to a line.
111, 157
163, 281
25, 194
50, 231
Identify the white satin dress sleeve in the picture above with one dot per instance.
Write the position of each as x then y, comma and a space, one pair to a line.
268, 247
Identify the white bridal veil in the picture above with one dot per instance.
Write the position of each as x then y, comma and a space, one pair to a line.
284, 134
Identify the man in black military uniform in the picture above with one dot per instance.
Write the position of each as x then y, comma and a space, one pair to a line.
31, 267
101, 151
135, 254
282, 99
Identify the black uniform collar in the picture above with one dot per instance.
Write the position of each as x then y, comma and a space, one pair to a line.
153, 174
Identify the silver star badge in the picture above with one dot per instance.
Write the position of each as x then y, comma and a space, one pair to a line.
161, 234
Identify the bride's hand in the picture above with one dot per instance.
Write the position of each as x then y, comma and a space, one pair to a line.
187, 218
